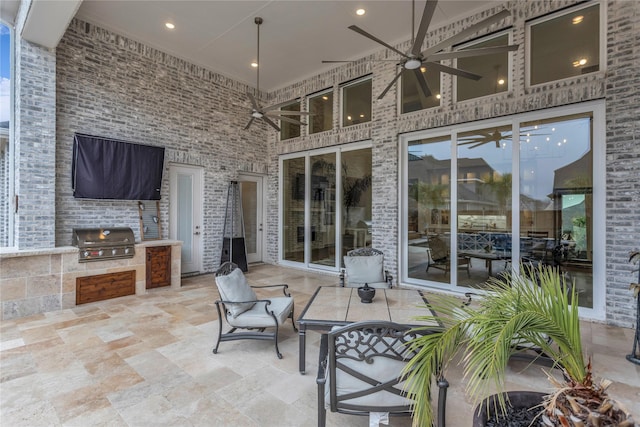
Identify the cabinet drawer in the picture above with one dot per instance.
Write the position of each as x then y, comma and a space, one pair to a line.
105, 286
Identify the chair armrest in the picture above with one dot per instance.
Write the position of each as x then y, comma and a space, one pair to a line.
268, 301
322, 360
281, 285
342, 273
388, 278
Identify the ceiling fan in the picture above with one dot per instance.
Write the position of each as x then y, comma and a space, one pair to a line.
273, 111
414, 59
485, 137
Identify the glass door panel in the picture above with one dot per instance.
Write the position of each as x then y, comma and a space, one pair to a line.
293, 195
429, 202
323, 212
484, 204
556, 202
356, 199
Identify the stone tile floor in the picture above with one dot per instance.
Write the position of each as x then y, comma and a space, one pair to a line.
147, 360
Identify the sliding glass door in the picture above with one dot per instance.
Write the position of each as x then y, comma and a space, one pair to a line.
326, 208
523, 195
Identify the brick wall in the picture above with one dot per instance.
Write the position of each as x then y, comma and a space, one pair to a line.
619, 85
115, 87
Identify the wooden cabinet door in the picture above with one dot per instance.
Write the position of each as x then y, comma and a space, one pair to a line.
158, 266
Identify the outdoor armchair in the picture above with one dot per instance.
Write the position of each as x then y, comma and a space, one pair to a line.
242, 309
365, 265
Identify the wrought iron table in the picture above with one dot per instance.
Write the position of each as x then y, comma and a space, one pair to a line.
333, 306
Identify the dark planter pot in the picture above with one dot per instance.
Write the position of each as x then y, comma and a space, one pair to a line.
517, 399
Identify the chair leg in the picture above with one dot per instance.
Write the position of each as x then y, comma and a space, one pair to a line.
275, 339
443, 385
322, 412
215, 350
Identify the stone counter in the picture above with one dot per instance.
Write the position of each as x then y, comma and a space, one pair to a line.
41, 280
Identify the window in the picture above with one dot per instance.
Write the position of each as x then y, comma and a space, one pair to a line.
494, 70
290, 130
321, 109
356, 103
326, 205
565, 45
6, 234
527, 190
413, 98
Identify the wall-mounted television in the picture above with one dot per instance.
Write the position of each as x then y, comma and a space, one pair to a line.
105, 168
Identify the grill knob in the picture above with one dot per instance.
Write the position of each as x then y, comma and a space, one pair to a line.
100, 252
126, 250
85, 254
113, 251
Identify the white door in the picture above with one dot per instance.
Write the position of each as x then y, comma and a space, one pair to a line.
252, 213
185, 214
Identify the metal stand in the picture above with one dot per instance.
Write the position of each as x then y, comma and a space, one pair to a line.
634, 356
233, 243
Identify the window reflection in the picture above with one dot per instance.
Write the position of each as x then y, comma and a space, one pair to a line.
413, 98
290, 130
321, 109
356, 100
494, 70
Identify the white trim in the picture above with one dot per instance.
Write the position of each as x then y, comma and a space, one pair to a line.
602, 53
598, 146
338, 150
510, 80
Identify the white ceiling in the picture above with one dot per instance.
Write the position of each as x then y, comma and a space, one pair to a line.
295, 37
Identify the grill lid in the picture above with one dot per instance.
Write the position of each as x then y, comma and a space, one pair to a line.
102, 237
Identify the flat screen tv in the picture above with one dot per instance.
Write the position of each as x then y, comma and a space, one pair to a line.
104, 168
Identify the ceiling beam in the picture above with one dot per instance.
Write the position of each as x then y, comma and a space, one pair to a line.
47, 20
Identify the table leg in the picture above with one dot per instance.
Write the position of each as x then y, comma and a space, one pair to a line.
302, 336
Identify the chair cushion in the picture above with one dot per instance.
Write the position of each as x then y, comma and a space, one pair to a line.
234, 287
257, 317
364, 269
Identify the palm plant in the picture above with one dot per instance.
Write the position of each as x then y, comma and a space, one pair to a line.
514, 311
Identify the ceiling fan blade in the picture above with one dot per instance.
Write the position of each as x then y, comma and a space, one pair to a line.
287, 119
479, 144
249, 124
375, 39
335, 62
451, 70
471, 141
466, 33
253, 101
390, 85
277, 106
473, 52
291, 113
427, 15
422, 81
273, 125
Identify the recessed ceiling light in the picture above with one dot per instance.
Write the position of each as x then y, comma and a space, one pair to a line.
438, 96
325, 97
362, 116
423, 69
254, 64
577, 19
348, 117
579, 62
169, 25
501, 81
360, 12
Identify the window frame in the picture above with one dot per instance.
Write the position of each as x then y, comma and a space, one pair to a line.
10, 148
597, 109
399, 99
510, 62
308, 103
347, 85
282, 124
602, 34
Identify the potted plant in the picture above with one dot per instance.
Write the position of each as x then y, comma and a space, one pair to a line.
536, 308
634, 356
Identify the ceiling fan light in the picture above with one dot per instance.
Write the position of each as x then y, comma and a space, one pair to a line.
412, 64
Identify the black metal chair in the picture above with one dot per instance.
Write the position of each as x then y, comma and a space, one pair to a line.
365, 265
438, 256
361, 371
242, 309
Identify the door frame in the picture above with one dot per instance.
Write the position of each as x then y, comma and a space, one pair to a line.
198, 197
261, 208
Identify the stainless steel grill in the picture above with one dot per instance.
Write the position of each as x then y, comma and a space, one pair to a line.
97, 244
